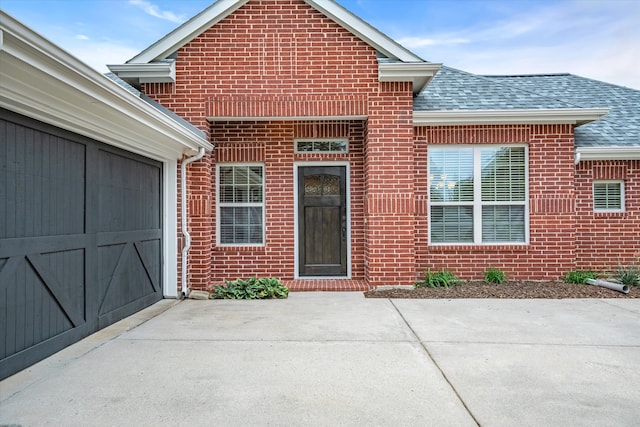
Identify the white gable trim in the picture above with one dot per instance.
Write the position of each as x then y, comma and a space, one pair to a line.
223, 8
188, 31
376, 39
419, 73
153, 72
607, 153
577, 116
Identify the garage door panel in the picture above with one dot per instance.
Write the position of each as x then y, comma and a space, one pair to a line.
126, 275
44, 184
80, 238
33, 306
129, 194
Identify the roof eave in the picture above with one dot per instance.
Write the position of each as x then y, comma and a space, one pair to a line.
576, 116
418, 73
607, 153
152, 72
58, 89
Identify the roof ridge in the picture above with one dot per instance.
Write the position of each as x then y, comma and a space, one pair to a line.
602, 82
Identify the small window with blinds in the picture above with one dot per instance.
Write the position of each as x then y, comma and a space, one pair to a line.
240, 204
478, 195
608, 196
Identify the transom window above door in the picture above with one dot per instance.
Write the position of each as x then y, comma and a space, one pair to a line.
322, 146
240, 204
478, 194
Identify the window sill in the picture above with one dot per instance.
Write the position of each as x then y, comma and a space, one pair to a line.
235, 248
479, 248
609, 214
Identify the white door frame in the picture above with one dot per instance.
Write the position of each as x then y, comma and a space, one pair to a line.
296, 166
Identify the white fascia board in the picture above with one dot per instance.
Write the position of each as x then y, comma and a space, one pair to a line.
608, 153
378, 40
152, 72
287, 118
577, 116
188, 31
418, 73
44, 82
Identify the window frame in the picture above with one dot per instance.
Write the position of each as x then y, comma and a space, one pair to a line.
220, 205
477, 203
621, 183
296, 141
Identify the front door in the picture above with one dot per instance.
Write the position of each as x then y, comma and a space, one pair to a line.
322, 221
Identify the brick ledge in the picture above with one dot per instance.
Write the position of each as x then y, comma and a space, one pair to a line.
326, 285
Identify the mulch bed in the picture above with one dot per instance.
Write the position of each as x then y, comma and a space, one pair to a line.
511, 289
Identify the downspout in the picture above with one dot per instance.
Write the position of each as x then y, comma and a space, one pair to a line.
183, 204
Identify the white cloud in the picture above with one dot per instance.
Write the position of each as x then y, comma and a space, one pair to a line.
591, 39
81, 37
98, 54
418, 42
155, 11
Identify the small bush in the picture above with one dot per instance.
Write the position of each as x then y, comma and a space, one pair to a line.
629, 275
495, 275
579, 277
437, 279
253, 288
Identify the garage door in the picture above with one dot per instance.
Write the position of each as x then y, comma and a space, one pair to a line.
80, 238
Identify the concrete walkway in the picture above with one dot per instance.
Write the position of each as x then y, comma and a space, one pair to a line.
338, 359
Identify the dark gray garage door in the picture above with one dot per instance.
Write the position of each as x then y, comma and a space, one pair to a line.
80, 238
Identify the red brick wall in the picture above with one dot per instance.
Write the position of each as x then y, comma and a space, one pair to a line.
551, 251
267, 49
272, 143
605, 240
390, 187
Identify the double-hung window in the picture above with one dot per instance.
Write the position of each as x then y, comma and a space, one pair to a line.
478, 194
240, 204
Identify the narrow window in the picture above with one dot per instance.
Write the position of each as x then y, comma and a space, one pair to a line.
240, 204
478, 194
322, 146
608, 196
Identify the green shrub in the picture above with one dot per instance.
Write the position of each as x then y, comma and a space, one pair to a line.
579, 277
437, 279
629, 275
253, 288
495, 275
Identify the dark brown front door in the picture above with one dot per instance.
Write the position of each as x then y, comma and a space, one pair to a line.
322, 221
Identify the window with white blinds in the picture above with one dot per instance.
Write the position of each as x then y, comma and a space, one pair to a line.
240, 204
608, 196
478, 194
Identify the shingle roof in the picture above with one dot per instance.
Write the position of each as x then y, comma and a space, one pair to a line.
620, 127
453, 89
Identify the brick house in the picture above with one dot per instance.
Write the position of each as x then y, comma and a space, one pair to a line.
313, 148
341, 156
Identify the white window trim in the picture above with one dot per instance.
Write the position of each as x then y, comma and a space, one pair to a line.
263, 205
622, 195
297, 140
477, 197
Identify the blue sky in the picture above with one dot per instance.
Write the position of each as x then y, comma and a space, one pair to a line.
593, 38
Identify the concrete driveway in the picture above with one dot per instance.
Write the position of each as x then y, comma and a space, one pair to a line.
328, 359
